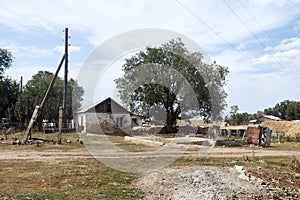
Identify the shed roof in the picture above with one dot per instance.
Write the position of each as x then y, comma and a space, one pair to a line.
106, 106
271, 117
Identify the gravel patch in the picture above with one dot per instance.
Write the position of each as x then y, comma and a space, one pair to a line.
197, 183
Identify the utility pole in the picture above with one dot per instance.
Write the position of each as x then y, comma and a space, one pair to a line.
39, 107
21, 84
62, 122
65, 99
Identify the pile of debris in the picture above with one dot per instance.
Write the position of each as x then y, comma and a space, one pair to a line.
199, 183
109, 128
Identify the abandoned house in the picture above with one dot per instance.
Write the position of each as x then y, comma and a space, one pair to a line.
106, 117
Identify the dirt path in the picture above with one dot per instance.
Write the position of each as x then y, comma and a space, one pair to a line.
83, 153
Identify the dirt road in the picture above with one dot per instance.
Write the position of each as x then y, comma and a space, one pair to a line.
196, 182
83, 153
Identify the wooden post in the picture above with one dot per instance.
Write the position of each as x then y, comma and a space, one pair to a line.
5, 134
37, 108
60, 125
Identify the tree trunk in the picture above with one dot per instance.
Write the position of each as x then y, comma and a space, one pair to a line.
170, 121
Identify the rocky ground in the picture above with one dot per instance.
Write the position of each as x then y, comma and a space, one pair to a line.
214, 183
196, 183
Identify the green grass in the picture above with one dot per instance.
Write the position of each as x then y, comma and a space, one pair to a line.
286, 146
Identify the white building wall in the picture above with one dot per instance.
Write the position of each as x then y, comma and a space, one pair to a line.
91, 121
81, 120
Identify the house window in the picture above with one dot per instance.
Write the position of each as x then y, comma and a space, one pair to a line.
119, 121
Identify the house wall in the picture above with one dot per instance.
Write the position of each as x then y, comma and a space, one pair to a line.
90, 122
81, 122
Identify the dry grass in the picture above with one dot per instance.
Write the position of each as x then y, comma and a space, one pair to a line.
71, 179
50, 142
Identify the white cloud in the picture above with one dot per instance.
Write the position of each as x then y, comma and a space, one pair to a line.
258, 81
28, 51
101, 20
288, 44
255, 81
285, 55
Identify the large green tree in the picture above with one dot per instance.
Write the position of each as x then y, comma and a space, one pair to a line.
170, 82
34, 92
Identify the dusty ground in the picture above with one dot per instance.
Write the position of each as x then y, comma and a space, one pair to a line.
83, 153
196, 182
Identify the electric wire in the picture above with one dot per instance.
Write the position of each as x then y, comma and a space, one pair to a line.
231, 45
257, 38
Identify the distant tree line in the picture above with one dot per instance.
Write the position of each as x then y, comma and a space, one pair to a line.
236, 118
285, 110
18, 103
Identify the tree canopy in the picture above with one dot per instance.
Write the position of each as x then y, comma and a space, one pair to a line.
169, 82
287, 110
34, 92
8, 88
237, 118
18, 103
6, 60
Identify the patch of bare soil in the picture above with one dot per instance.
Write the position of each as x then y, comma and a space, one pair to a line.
197, 183
279, 183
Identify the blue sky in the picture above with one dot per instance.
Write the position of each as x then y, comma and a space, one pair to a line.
258, 40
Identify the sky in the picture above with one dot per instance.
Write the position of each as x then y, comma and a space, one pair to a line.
257, 40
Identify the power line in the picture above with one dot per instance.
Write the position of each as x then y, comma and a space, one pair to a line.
229, 43
260, 26
255, 36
